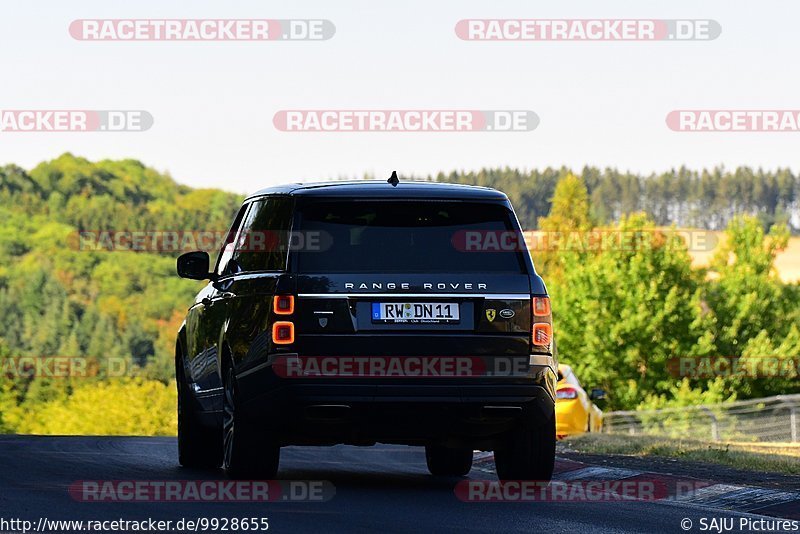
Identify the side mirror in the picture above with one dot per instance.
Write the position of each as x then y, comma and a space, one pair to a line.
194, 265
597, 394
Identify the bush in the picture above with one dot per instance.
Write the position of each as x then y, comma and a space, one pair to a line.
117, 407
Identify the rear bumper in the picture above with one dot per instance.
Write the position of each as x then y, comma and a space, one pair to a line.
474, 412
571, 418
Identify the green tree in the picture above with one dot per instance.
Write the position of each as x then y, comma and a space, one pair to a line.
621, 312
745, 293
569, 207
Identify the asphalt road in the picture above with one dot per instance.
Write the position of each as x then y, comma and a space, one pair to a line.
377, 489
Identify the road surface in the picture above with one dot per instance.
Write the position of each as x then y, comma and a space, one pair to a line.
377, 489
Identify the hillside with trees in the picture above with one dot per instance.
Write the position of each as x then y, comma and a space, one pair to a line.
620, 314
58, 298
706, 199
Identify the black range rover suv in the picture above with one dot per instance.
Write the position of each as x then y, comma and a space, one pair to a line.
365, 312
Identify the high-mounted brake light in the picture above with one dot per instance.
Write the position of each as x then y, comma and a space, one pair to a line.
541, 306
567, 393
283, 332
542, 334
283, 304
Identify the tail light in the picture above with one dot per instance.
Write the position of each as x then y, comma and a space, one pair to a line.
542, 334
542, 328
283, 304
283, 332
541, 306
567, 393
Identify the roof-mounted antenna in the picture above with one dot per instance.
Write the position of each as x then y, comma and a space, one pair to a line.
393, 179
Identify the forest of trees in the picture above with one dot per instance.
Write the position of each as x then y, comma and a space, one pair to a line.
59, 300
706, 199
646, 305
621, 314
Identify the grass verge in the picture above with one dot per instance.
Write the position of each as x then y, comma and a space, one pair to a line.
781, 458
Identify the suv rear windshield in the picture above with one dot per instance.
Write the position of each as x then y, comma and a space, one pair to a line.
415, 236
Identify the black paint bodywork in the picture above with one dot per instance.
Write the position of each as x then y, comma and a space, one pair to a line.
230, 321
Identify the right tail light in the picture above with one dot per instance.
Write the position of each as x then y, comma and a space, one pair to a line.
542, 334
541, 307
542, 327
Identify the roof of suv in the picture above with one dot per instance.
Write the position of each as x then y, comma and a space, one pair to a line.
383, 189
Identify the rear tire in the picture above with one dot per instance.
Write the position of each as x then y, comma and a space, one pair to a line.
198, 446
248, 451
528, 453
448, 462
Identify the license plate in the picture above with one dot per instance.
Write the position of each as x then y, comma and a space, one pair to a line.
415, 312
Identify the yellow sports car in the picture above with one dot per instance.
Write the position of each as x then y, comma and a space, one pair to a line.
575, 411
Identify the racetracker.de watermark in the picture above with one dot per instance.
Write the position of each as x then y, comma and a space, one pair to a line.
202, 490
404, 120
734, 120
588, 29
756, 366
202, 29
74, 120
633, 489
62, 367
596, 241
189, 240
399, 366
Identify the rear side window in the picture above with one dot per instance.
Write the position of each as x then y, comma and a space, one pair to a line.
226, 252
408, 237
263, 241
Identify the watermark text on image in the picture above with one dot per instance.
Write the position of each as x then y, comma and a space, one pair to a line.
399, 366
404, 120
588, 29
62, 367
184, 524
190, 240
754, 366
640, 489
52, 120
599, 240
734, 120
202, 491
201, 30
740, 524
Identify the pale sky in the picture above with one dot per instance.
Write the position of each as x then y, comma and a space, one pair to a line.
600, 103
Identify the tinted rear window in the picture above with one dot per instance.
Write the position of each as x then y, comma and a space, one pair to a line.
406, 237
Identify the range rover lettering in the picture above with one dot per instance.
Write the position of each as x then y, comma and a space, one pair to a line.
369, 312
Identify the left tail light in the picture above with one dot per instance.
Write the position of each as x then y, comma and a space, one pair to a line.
283, 332
283, 304
567, 393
